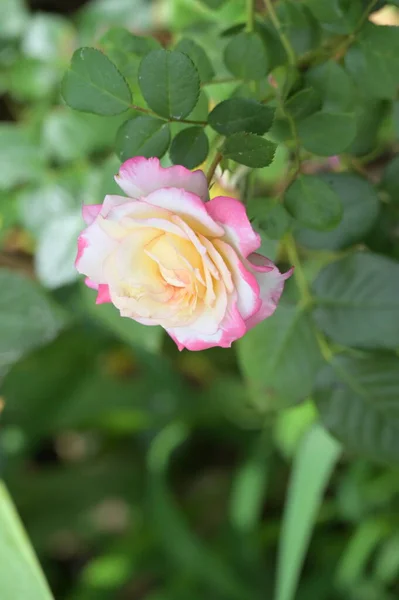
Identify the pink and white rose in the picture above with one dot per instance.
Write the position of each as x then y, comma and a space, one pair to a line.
166, 255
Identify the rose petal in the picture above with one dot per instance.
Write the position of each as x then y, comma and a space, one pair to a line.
245, 282
188, 206
90, 212
232, 215
140, 176
94, 246
231, 329
271, 284
103, 295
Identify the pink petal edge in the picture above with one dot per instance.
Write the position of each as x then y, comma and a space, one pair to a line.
231, 213
90, 212
140, 176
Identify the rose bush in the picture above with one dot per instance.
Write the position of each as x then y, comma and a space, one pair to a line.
166, 255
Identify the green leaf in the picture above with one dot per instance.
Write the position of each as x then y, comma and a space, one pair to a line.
299, 25
214, 4
327, 133
131, 332
48, 38
93, 84
27, 317
14, 16
21, 159
198, 56
190, 147
373, 61
20, 573
241, 114
142, 136
269, 216
358, 402
303, 103
390, 179
280, 358
245, 56
360, 205
249, 149
337, 16
169, 83
370, 116
333, 84
118, 38
357, 301
313, 203
314, 462
56, 251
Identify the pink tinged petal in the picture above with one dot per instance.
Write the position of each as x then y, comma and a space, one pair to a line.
82, 245
188, 206
103, 295
140, 176
231, 329
94, 246
271, 284
91, 284
231, 214
90, 212
245, 282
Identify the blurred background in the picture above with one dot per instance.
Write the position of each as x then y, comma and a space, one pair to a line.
140, 472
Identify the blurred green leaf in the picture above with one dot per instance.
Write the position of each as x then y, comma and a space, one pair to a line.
118, 38
299, 25
360, 210
198, 56
20, 573
142, 136
13, 18
313, 203
27, 317
169, 82
333, 84
133, 333
241, 115
357, 301
190, 147
327, 133
249, 149
93, 84
314, 462
49, 38
21, 160
390, 180
358, 402
373, 61
280, 358
245, 56
303, 103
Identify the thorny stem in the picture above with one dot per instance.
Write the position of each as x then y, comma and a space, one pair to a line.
147, 111
277, 25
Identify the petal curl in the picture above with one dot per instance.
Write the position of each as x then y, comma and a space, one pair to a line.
245, 282
232, 215
231, 329
103, 295
188, 206
271, 285
90, 212
140, 176
94, 246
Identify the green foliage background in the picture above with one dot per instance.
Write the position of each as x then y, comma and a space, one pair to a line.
266, 471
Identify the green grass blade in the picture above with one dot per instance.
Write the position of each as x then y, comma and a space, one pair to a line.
313, 464
20, 574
